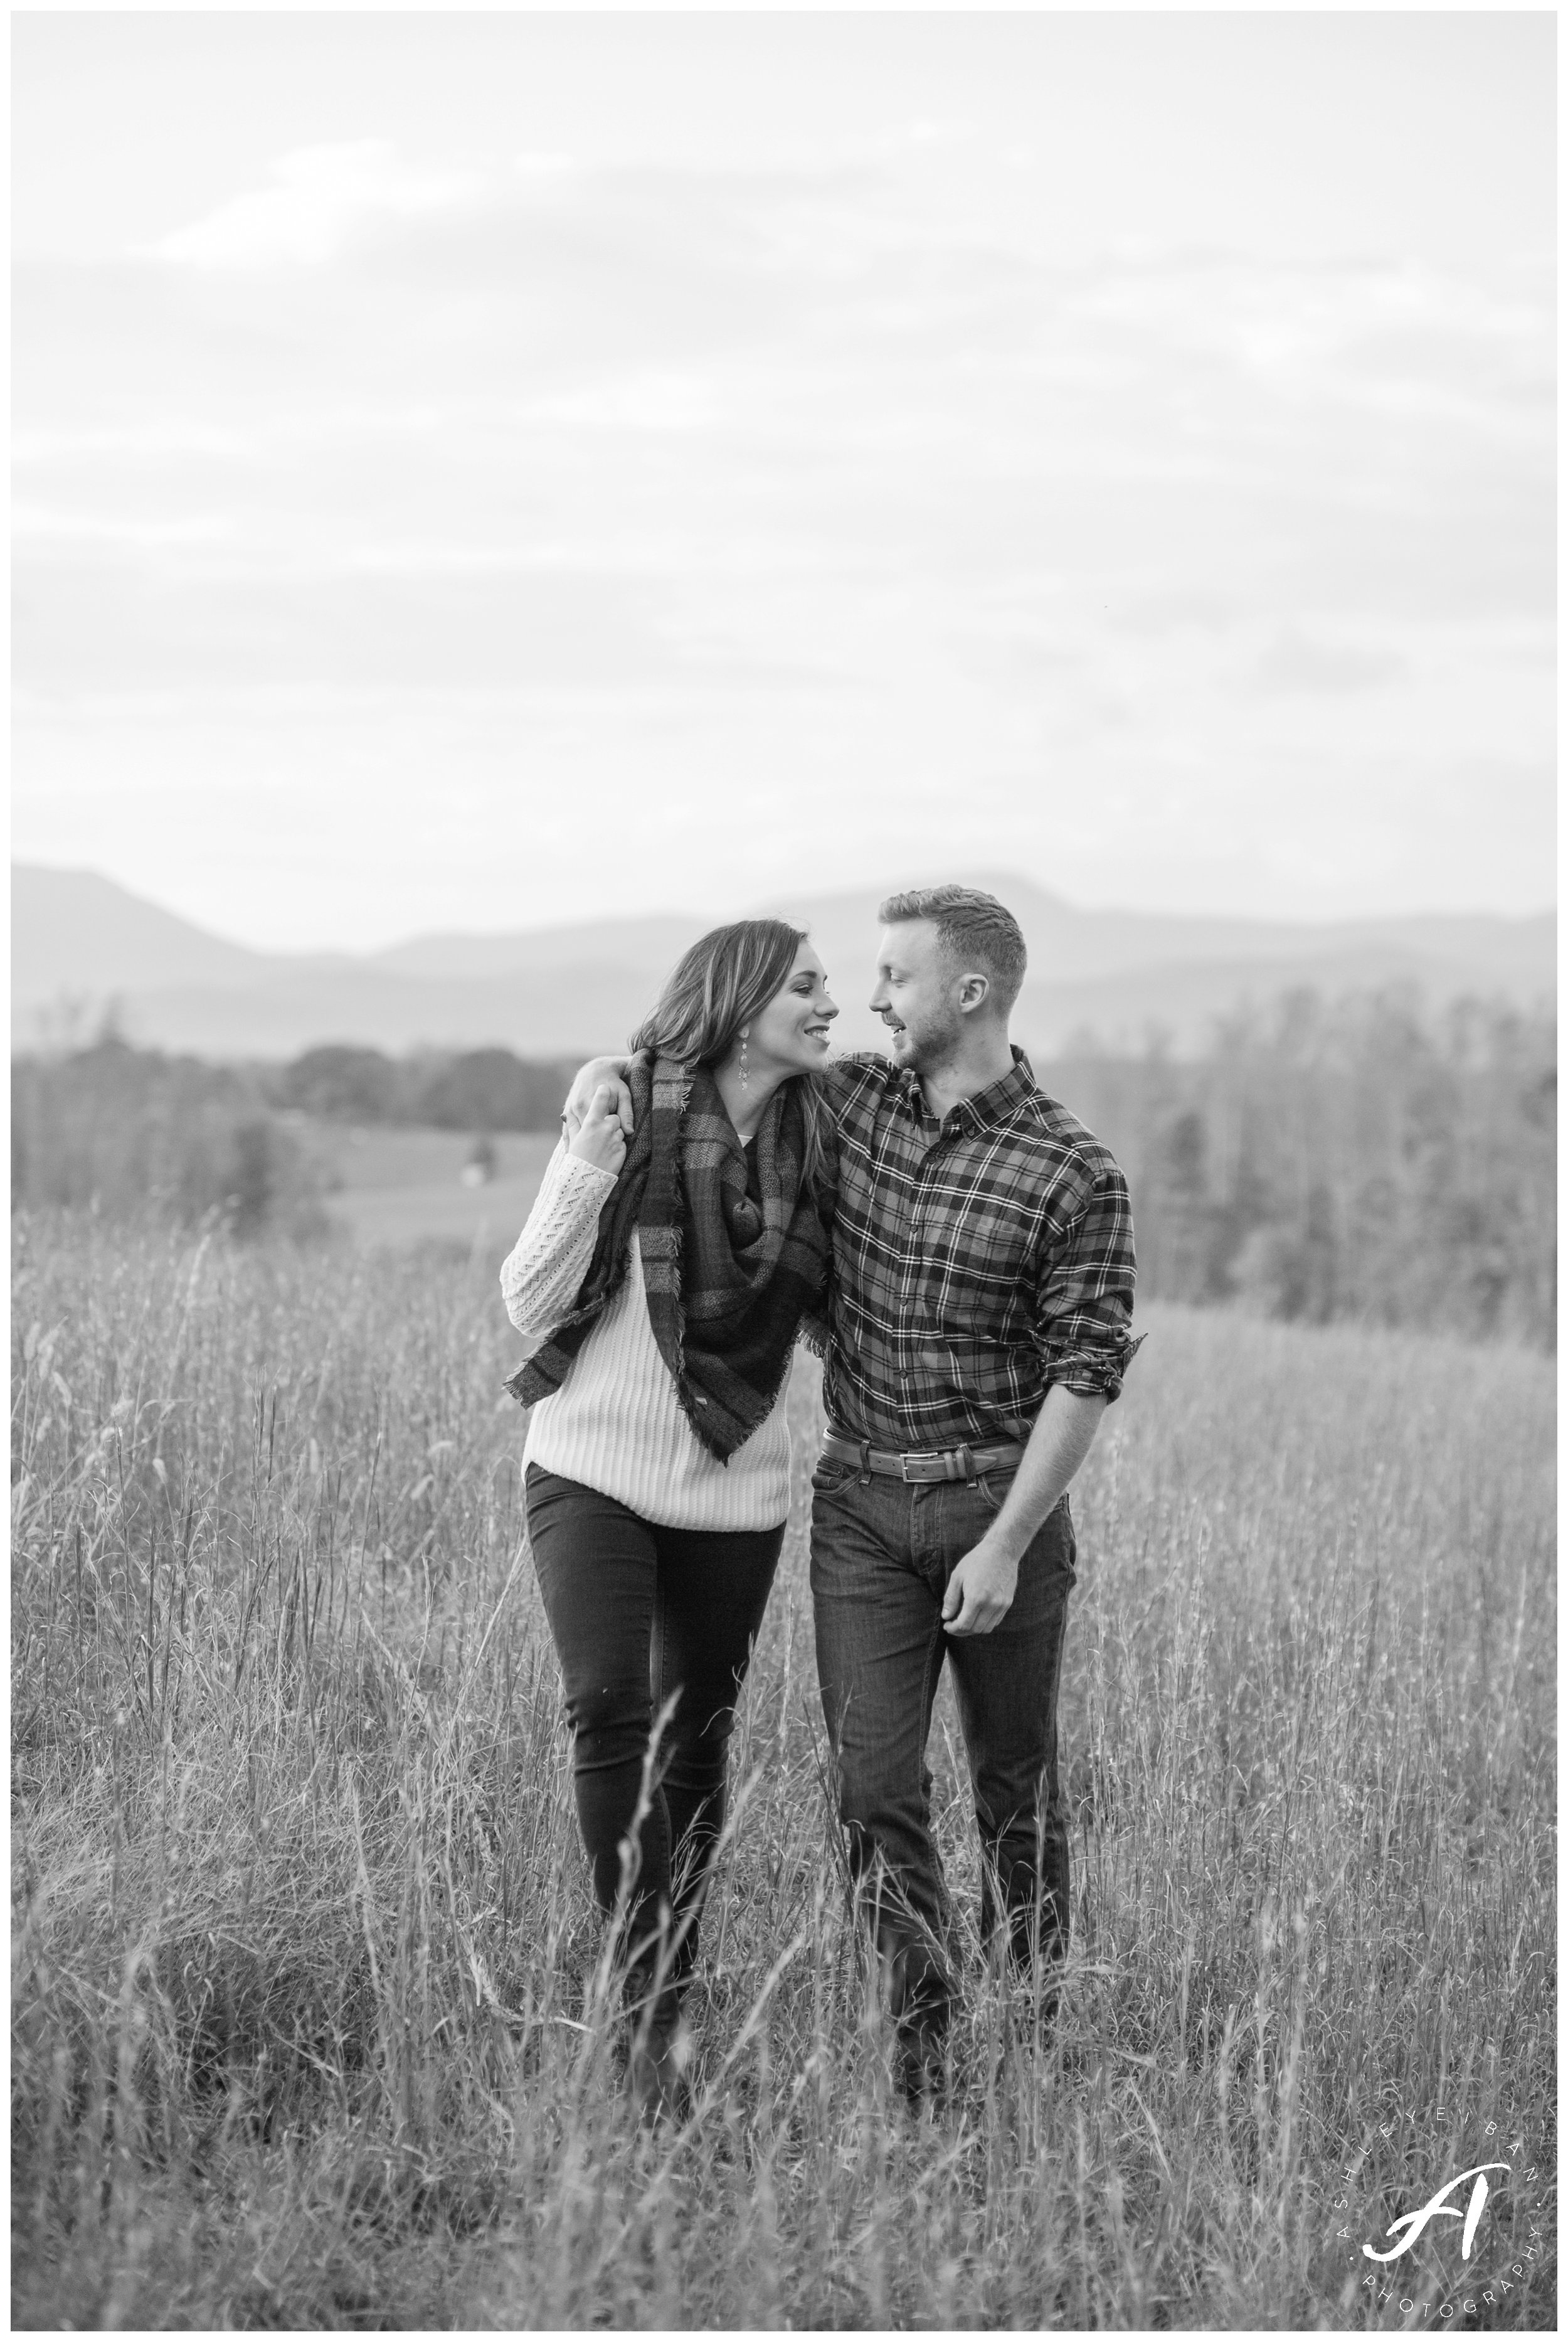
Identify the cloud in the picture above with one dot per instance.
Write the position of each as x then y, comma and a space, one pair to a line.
1302, 662
38, 524
132, 626
697, 485
318, 198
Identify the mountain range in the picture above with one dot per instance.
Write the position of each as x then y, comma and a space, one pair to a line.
83, 945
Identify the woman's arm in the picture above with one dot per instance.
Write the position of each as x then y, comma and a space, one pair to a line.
541, 1276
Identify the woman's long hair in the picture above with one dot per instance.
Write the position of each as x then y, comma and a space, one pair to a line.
720, 984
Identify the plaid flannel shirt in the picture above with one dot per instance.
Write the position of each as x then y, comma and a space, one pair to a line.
976, 1261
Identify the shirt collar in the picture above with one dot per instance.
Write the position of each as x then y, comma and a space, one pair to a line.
988, 1107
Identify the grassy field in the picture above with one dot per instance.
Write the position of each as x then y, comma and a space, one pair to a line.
398, 1188
309, 2024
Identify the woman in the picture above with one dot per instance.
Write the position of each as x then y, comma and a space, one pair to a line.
664, 1279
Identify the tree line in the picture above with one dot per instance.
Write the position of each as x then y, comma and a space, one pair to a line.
123, 1130
1358, 1160
1354, 1161
480, 1090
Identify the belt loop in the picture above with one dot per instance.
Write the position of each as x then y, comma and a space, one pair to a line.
967, 1464
866, 1463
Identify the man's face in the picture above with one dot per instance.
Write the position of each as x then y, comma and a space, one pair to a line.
916, 994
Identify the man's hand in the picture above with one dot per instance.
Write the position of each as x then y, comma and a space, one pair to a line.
599, 1073
981, 1589
599, 1137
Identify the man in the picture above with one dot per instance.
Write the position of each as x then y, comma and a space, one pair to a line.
980, 1323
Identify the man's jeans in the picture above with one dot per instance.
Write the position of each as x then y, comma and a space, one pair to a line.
881, 1554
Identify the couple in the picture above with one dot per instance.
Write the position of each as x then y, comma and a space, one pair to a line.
964, 1249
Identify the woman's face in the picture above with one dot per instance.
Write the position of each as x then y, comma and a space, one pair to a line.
792, 1030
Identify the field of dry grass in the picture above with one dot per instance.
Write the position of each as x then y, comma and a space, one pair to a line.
397, 1187
309, 2025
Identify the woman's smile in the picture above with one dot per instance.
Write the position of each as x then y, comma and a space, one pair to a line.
792, 1032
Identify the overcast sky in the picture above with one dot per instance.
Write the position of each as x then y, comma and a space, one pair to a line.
476, 472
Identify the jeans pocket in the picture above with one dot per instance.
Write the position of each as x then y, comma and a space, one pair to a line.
993, 1487
828, 1475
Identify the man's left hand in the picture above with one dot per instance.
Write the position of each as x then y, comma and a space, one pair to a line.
981, 1589
591, 1078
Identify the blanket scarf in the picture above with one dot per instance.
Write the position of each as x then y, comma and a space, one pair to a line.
728, 1279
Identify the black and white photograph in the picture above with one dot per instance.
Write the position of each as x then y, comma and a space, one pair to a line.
783, 1170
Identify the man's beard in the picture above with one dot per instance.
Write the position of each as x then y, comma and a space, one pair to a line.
929, 1047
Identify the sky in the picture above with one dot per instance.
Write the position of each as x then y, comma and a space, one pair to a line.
474, 472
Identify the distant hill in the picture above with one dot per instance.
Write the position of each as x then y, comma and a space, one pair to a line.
80, 941
74, 933
1123, 973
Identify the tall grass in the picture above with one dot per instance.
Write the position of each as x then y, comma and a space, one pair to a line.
310, 2021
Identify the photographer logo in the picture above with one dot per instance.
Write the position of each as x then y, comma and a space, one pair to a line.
1438, 2208
1490, 2208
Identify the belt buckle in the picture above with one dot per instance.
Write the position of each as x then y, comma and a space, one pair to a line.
906, 1457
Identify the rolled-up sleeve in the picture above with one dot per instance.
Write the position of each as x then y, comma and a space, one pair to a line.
1083, 1293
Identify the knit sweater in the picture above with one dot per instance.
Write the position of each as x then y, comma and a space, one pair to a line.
615, 1424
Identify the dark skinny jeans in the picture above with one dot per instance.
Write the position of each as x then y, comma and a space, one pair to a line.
639, 1611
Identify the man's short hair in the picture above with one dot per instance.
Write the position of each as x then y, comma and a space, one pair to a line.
975, 931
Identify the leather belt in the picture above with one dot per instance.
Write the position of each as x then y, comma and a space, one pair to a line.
920, 1464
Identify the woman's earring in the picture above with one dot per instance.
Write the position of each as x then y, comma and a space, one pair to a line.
746, 1077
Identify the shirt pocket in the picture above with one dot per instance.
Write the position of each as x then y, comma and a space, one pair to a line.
978, 1276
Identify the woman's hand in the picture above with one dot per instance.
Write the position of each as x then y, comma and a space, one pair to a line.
598, 1137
